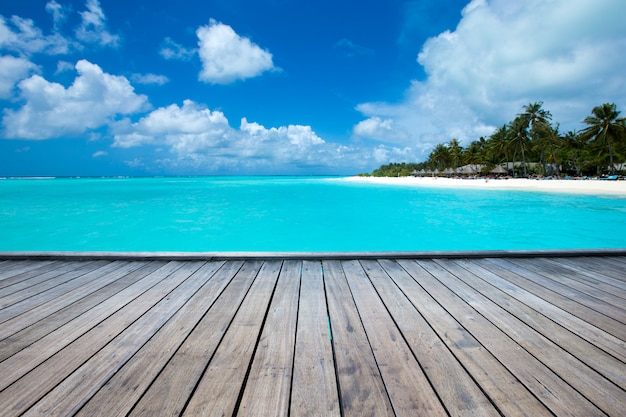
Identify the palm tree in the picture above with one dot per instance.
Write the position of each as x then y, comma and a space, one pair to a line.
536, 118
499, 145
537, 121
455, 151
553, 139
604, 126
439, 158
518, 135
574, 150
473, 154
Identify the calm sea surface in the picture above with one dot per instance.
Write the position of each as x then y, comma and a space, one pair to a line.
295, 214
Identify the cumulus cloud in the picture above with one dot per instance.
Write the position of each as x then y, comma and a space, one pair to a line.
50, 110
93, 28
173, 50
22, 36
379, 129
501, 56
202, 140
64, 66
12, 70
227, 56
149, 79
99, 154
58, 13
187, 129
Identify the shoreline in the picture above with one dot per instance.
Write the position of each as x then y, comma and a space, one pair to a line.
589, 187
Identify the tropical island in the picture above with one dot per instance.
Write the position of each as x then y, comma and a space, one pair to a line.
530, 146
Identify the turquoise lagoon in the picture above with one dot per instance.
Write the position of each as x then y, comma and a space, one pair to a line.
295, 214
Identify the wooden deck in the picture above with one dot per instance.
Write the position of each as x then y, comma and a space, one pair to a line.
333, 337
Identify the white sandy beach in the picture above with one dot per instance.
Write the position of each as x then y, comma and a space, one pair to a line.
591, 186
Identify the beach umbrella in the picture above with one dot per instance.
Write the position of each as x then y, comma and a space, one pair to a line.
468, 169
499, 169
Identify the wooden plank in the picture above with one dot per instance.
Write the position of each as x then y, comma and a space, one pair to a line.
36, 276
268, 385
90, 326
587, 274
97, 279
558, 299
618, 263
52, 284
548, 319
361, 386
93, 357
219, 388
163, 327
553, 391
69, 311
409, 390
26, 391
499, 384
556, 347
126, 387
454, 386
592, 288
608, 266
314, 386
576, 295
83, 275
170, 391
14, 271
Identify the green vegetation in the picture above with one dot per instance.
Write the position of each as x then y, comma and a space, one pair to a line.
531, 144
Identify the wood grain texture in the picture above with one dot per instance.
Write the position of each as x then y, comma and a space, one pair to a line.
362, 388
460, 395
499, 383
268, 386
222, 382
517, 335
531, 372
409, 390
314, 387
171, 390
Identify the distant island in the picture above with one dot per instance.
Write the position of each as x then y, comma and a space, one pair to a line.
530, 145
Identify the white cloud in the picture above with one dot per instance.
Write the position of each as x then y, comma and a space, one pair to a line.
185, 129
173, 50
94, 99
64, 66
99, 154
351, 49
135, 163
201, 140
12, 70
58, 13
22, 36
149, 79
227, 57
93, 29
379, 129
501, 56
284, 144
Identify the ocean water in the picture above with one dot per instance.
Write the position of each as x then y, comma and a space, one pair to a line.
295, 214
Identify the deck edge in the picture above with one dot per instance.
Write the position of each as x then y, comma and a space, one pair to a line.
191, 256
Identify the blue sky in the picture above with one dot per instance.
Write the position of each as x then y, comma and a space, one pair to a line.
141, 87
